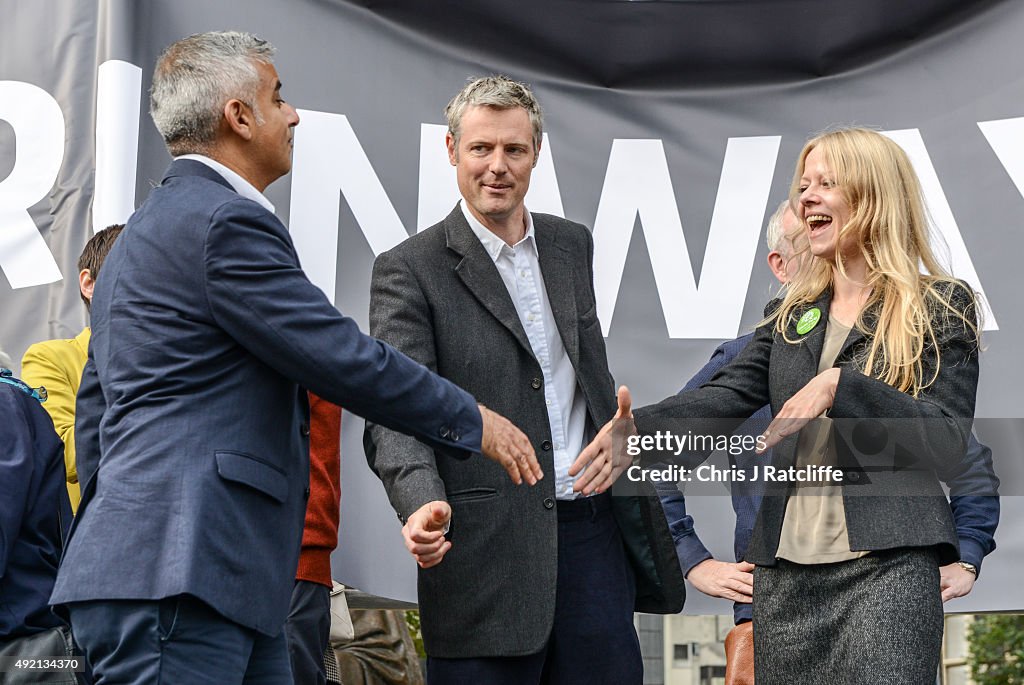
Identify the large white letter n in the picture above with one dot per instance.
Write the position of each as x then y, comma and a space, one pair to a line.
329, 159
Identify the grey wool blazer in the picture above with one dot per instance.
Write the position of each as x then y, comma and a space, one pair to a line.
891, 446
439, 298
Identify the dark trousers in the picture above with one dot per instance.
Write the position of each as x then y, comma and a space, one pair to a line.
307, 631
173, 641
593, 640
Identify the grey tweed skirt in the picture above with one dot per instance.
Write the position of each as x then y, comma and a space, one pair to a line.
877, 619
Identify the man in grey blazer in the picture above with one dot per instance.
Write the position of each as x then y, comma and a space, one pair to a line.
517, 585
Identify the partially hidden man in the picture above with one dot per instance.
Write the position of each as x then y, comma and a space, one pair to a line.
192, 424
516, 585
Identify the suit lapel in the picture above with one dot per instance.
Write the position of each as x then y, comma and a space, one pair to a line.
870, 320
481, 277
807, 351
558, 274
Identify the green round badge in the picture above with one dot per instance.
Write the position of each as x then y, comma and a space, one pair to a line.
808, 321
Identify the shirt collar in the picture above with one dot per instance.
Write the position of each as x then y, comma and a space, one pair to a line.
492, 243
241, 186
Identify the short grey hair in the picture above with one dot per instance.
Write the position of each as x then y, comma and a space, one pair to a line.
499, 92
5, 361
775, 232
193, 80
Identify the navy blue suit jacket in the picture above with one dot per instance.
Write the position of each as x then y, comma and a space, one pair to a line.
192, 421
974, 506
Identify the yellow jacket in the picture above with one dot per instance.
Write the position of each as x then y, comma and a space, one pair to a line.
57, 366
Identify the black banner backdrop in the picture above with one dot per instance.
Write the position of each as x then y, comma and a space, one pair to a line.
672, 129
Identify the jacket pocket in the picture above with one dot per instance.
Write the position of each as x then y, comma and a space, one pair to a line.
472, 495
589, 317
248, 470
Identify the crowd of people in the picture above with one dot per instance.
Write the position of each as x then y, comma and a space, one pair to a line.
193, 429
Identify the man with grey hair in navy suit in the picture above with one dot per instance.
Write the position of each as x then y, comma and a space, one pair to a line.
192, 419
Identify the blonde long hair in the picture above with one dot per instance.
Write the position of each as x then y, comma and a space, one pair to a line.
888, 223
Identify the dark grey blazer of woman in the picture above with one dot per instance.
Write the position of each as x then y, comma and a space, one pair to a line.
933, 427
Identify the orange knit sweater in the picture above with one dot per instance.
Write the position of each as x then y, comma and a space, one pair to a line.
320, 536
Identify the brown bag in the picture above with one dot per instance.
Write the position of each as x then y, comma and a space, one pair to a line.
739, 655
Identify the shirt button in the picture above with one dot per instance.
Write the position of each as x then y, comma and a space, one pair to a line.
546, 445
549, 503
536, 383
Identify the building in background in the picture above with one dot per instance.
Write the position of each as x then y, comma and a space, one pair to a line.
955, 669
682, 649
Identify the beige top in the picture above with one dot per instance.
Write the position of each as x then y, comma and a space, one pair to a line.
814, 528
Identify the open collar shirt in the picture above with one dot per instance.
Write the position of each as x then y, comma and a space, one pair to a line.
519, 267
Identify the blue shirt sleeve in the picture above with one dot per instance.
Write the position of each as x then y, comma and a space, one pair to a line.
689, 548
974, 501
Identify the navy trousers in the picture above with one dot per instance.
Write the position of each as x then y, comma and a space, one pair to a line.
308, 632
173, 641
593, 641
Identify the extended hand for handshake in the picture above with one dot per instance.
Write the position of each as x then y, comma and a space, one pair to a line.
424, 531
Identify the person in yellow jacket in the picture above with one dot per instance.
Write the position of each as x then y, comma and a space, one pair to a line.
57, 364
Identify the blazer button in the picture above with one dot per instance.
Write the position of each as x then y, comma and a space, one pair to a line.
304, 430
445, 432
536, 383
546, 445
306, 493
853, 475
549, 503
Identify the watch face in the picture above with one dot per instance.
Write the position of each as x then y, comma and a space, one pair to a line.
968, 567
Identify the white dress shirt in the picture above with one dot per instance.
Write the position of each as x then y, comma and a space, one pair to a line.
519, 267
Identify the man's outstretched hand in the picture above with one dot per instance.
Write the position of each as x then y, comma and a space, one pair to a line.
603, 465
424, 533
507, 445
